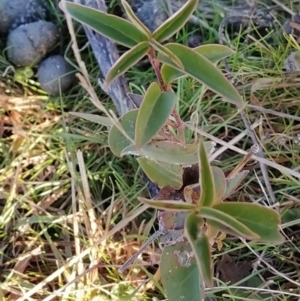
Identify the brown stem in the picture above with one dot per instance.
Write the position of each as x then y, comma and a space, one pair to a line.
155, 65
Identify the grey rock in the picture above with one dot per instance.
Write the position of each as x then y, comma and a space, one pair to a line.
288, 28
29, 43
17, 12
194, 40
152, 13
55, 74
292, 62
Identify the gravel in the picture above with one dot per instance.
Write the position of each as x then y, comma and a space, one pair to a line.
14, 13
29, 43
55, 75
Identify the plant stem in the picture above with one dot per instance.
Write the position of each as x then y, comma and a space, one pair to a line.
155, 65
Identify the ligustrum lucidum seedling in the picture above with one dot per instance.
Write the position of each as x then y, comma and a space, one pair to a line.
192, 207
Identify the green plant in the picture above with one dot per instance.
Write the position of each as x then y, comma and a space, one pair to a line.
190, 216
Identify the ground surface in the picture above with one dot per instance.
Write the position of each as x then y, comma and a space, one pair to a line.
62, 190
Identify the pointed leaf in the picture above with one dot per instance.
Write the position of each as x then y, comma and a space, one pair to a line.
168, 152
110, 26
204, 71
165, 51
213, 52
162, 174
126, 61
219, 181
168, 205
259, 219
134, 19
178, 266
154, 111
94, 118
116, 139
206, 180
227, 223
175, 22
200, 246
233, 183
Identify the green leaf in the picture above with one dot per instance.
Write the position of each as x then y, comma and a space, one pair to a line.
259, 219
175, 22
233, 183
291, 216
168, 152
179, 273
155, 110
162, 174
204, 71
168, 205
206, 180
219, 182
227, 223
200, 246
110, 26
213, 52
126, 61
94, 118
134, 19
165, 51
116, 139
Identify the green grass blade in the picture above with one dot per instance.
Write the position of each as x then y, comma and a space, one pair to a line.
106, 121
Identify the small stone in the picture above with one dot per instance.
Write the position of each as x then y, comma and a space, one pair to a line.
17, 12
29, 43
152, 13
292, 62
288, 29
194, 40
55, 75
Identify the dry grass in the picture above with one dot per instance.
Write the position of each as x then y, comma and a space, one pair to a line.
69, 214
